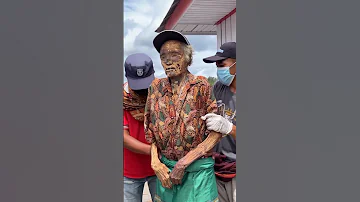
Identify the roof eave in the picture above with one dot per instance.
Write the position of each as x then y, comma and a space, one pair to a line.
176, 11
198, 33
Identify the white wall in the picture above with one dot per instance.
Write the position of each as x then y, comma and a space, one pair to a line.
226, 31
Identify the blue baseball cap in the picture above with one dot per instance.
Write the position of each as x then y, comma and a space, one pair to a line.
139, 71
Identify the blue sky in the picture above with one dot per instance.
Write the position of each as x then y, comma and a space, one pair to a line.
142, 17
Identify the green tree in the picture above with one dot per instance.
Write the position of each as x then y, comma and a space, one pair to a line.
211, 80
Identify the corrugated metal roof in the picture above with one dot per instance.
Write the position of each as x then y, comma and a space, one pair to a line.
201, 16
196, 29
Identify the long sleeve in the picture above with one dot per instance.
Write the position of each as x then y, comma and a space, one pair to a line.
211, 106
148, 123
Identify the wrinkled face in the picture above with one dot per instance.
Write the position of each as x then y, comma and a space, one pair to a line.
173, 59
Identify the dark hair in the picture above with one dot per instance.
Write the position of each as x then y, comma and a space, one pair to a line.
141, 92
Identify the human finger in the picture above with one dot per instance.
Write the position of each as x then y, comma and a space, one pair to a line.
206, 116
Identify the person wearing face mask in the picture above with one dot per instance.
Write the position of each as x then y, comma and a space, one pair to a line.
224, 121
139, 72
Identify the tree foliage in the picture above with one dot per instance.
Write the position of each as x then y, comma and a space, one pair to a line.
212, 80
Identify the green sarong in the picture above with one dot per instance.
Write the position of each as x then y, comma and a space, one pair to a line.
197, 185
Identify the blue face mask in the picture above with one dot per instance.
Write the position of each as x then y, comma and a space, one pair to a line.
224, 76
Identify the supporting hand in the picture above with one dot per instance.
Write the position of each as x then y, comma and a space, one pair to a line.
217, 123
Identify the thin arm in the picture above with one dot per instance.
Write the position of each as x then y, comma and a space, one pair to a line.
154, 156
212, 139
135, 145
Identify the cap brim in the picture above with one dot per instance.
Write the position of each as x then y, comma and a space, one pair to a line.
213, 59
139, 84
168, 35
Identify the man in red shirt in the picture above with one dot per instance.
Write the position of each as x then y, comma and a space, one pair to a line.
139, 72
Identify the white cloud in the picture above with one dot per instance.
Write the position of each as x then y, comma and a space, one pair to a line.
142, 17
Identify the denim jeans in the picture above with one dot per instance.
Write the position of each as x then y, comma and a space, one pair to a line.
133, 188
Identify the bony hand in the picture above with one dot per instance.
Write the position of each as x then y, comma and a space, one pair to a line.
162, 173
177, 173
217, 123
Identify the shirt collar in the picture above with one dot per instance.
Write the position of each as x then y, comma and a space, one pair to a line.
192, 80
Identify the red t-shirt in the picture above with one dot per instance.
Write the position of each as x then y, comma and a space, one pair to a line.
136, 165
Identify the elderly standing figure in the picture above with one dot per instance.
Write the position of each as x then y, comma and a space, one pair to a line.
174, 127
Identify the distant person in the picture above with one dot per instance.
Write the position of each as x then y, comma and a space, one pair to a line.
174, 127
139, 72
225, 121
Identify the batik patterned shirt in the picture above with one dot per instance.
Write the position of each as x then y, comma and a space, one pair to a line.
175, 125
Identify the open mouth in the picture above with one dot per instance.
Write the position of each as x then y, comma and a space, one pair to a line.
170, 69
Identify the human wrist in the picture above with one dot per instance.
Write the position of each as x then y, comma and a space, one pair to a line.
147, 150
155, 165
155, 162
180, 164
229, 128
